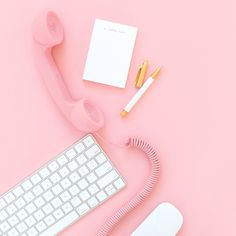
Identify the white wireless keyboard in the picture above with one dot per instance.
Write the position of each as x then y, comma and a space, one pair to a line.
61, 192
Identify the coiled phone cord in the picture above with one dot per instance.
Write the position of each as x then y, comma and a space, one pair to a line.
138, 199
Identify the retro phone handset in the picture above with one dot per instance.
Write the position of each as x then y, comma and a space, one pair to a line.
83, 114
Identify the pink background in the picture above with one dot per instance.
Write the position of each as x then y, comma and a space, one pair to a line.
189, 114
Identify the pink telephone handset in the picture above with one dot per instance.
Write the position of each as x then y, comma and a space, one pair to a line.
83, 114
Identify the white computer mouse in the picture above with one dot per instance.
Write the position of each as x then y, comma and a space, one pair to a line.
165, 220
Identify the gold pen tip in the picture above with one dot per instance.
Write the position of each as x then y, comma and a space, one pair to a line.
155, 73
123, 113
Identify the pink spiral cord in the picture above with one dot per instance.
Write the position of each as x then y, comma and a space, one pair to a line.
139, 198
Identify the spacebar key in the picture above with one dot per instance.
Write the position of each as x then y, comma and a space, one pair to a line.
61, 224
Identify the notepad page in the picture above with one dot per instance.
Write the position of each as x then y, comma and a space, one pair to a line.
110, 53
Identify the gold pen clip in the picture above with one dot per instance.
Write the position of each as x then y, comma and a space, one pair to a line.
141, 74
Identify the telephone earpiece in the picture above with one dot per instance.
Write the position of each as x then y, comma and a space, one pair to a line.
83, 114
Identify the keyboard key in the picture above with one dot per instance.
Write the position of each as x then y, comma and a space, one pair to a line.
119, 183
74, 177
110, 189
41, 226
76, 201
71, 154
20, 203
93, 189
65, 183
101, 196
5, 227
101, 158
39, 215
2, 204
22, 214
27, 185
11, 209
21, 227
83, 209
17, 191
30, 221
67, 208
92, 177
58, 214
48, 195
106, 167
9, 197
55, 178
83, 171
44, 172
3, 215
32, 232
30, 208
57, 189
73, 165
46, 184
74, 190
107, 179
39, 202
62, 160
83, 184
13, 232
35, 179
37, 190
65, 196
92, 164
88, 141
81, 159
49, 220
79, 147
64, 172
53, 166
29, 196
61, 224
84, 195
93, 151
48, 209
93, 202
13, 220
56, 202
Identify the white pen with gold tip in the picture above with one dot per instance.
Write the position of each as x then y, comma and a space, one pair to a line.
140, 92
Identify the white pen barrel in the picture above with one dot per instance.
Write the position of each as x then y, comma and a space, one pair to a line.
139, 94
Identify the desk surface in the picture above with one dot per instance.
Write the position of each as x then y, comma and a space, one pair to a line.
189, 114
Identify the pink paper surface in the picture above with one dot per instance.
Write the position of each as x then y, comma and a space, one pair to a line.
188, 114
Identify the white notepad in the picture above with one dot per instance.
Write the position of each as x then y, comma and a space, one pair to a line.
110, 53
